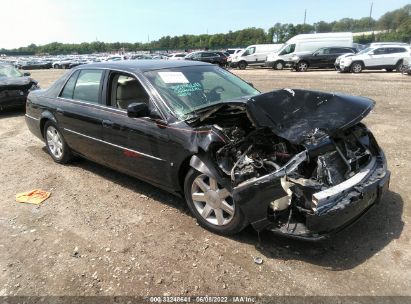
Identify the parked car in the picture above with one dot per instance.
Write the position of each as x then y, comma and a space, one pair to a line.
35, 65
388, 57
321, 58
282, 160
304, 44
62, 64
253, 55
208, 56
233, 52
177, 56
14, 87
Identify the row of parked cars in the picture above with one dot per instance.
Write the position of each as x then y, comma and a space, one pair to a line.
327, 50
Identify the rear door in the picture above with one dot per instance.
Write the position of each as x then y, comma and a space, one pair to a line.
79, 113
394, 54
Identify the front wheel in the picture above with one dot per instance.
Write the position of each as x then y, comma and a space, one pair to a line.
356, 67
302, 66
242, 65
212, 204
279, 65
56, 145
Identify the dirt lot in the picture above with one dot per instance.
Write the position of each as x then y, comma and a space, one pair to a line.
104, 233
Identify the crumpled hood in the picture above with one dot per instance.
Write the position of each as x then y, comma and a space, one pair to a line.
16, 81
297, 114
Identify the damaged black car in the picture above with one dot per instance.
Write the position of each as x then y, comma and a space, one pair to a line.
296, 162
14, 87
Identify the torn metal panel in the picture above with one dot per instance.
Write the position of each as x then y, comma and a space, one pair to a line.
297, 115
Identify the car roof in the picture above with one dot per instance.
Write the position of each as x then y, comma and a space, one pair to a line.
389, 45
142, 65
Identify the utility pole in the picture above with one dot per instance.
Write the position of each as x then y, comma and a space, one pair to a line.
372, 3
305, 16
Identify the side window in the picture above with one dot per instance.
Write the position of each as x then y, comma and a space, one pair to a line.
250, 51
69, 87
324, 51
380, 51
88, 86
124, 90
341, 51
396, 50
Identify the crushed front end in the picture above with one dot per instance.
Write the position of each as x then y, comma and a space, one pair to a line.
326, 186
299, 163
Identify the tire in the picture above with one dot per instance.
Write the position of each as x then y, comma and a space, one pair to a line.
400, 67
56, 66
57, 147
302, 66
211, 196
242, 65
356, 67
278, 65
389, 70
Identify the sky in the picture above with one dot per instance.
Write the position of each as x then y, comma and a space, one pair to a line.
75, 21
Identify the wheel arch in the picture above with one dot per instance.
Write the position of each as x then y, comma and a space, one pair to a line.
46, 116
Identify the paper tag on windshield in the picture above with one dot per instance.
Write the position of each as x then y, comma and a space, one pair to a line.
173, 77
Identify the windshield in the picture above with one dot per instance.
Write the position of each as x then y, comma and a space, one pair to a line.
365, 51
190, 89
9, 71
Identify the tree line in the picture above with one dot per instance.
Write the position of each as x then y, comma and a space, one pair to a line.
396, 26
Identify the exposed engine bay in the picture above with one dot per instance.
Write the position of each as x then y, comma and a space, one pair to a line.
317, 170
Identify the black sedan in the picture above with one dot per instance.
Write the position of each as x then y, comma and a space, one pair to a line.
296, 162
14, 87
321, 58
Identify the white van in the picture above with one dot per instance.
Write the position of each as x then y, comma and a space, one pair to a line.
253, 55
307, 43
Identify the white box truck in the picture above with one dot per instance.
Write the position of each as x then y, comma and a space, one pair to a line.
306, 43
254, 55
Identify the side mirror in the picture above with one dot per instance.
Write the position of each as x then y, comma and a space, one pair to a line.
137, 109
26, 74
371, 53
315, 54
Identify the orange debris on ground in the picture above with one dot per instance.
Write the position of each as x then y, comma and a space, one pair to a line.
35, 196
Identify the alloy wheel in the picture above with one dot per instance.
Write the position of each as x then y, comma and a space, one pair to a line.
302, 66
357, 68
54, 142
213, 202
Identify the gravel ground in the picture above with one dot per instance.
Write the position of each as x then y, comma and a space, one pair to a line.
104, 233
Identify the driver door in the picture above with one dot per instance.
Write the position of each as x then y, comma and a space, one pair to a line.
138, 146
